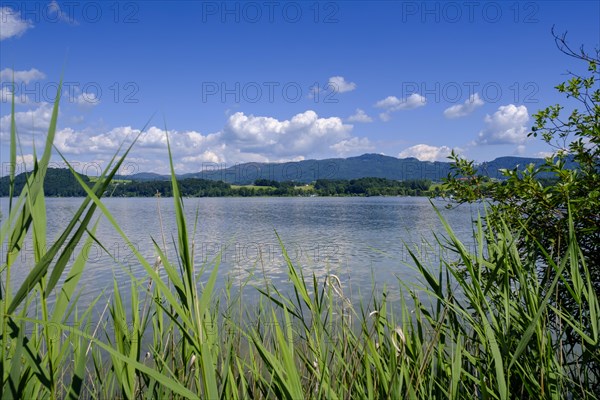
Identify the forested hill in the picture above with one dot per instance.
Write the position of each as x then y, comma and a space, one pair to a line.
367, 165
369, 174
59, 182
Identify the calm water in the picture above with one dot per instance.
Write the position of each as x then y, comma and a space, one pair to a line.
361, 240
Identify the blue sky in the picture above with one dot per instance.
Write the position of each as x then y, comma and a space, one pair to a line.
276, 81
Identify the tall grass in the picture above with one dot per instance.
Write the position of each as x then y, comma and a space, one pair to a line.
482, 326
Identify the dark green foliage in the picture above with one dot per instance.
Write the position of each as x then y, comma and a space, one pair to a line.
189, 187
543, 199
537, 195
61, 183
372, 187
58, 182
266, 182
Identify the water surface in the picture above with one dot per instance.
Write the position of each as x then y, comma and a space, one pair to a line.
359, 239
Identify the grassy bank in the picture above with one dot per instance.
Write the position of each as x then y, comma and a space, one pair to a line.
485, 326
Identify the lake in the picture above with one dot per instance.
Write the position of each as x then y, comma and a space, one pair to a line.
359, 239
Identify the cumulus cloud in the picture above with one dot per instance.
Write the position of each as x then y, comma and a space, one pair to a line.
304, 133
354, 145
69, 141
24, 162
6, 96
462, 110
206, 156
425, 152
244, 138
87, 100
11, 24
388, 102
24, 77
340, 84
385, 117
392, 104
190, 148
505, 126
33, 74
30, 122
360, 116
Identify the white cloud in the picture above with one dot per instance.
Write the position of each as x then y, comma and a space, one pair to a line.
505, 126
388, 102
340, 85
56, 14
87, 100
6, 96
461, 110
33, 74
11, 24
68, 141
392, 104
360, 116
24, 162
544, 154
303, 134
206, 156
34, 121
151, 144
354, 145
385, 117
244, 138
425, 152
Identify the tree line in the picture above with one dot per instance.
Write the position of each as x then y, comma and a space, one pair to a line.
194, 187
61, 183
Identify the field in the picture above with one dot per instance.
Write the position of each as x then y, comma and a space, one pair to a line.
95, 179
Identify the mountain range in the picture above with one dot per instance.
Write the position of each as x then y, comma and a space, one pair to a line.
366, 165
60, 182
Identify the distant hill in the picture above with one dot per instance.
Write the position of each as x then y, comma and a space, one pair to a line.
144, 176
59, 182
366, 165
492, 168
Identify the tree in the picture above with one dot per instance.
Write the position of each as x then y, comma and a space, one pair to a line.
528, 196
529, 200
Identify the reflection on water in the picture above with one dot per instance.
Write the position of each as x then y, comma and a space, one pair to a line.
361, 240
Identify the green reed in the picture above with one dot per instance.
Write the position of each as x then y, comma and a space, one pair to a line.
483, 324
